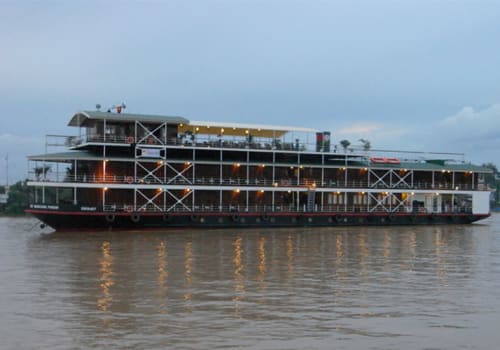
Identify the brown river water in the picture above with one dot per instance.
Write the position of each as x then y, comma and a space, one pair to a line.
432, 287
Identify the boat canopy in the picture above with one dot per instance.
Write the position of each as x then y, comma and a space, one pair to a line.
81, 118
186, 126
240, 129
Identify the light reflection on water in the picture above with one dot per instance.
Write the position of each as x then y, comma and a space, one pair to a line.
412, 287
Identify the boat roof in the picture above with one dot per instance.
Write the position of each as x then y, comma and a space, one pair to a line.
81, 118
431, 166
65, 156
185, 125
241, 129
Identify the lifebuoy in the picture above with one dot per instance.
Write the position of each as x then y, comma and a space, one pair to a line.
167, 218
135, 217
110, 218
130, 139
129, 179
265, 217
194, 218
235, 217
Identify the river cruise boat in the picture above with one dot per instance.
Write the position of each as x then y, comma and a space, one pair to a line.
136, 171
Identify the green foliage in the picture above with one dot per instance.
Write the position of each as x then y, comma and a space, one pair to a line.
41, 170
345, 144
491, 180
18, 198
366, 144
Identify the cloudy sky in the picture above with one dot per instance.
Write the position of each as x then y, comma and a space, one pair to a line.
412, 75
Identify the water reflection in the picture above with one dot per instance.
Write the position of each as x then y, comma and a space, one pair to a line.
261, 276
289, 256
387, 250
441, 249
188, 269
105, 277
221, 285
162, 276
339, 258
239, 279
363, 255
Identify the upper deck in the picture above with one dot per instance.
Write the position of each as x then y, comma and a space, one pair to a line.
114, 131
118, 128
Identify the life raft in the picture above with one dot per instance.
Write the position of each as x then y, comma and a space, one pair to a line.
384, 160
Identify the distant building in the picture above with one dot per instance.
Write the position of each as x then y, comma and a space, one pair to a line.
3, 200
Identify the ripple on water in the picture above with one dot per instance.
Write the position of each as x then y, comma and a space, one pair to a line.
348, 288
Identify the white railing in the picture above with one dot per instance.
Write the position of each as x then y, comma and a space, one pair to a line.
254, 182
241, 209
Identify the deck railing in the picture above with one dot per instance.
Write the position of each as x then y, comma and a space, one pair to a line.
254, 182
241, 209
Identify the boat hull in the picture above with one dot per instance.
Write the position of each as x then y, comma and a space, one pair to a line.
71, 221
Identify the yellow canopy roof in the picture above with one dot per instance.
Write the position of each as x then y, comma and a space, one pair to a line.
237, 129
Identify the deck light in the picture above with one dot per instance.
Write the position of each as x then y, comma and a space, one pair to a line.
275, 184
261, 191
237, 190
105, 188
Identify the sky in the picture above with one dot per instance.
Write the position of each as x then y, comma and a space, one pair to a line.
409, 75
